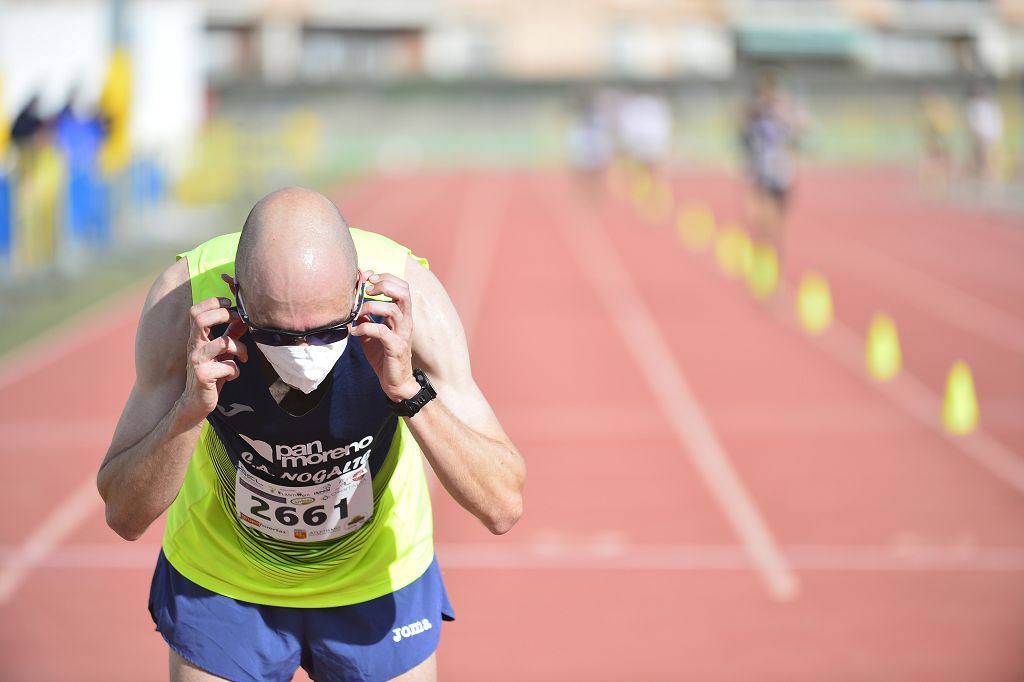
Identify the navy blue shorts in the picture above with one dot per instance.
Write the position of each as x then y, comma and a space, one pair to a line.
236, 640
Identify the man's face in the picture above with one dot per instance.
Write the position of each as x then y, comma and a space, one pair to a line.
290, 304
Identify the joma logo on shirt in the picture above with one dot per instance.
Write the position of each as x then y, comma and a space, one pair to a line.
412, 629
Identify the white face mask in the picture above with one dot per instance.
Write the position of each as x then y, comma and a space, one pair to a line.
304, 367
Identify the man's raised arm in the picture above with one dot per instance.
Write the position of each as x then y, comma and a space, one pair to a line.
460, 436
179, 371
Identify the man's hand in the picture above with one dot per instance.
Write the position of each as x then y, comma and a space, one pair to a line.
388, 346
211, 361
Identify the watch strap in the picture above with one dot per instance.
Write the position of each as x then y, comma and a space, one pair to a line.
410, 406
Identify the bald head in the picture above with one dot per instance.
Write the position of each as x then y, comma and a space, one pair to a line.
296, 263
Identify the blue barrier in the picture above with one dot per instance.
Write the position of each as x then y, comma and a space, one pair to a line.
148, 183
5, 220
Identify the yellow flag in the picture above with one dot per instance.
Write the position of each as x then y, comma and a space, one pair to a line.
115, 107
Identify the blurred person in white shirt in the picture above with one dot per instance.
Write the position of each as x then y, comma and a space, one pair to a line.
985, 125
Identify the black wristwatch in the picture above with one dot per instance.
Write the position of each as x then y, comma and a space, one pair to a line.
410, 406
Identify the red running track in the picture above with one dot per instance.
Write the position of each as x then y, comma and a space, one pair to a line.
712, 494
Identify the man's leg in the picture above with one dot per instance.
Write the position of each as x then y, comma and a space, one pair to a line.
424, 672
183, 671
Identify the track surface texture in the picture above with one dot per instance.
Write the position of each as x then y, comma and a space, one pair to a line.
713, 494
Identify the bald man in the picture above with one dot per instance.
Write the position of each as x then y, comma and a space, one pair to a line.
287, 379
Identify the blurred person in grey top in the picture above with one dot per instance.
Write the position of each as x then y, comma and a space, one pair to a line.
770, 130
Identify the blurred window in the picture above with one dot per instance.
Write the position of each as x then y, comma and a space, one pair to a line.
332, 54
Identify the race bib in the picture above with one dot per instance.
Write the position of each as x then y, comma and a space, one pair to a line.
309, 513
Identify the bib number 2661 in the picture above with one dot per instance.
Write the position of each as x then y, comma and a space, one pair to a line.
305, 513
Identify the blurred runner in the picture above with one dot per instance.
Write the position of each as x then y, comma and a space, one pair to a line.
939, 118
645, 131
770, 130
590, 141
985, 125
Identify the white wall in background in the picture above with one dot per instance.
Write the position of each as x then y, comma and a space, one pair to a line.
47, 47
167, 42
704, 50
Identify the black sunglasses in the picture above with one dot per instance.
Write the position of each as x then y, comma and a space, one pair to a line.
314, 337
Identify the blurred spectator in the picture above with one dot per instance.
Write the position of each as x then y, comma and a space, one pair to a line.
37, 190
985, 125
80, 137
770, 130
27, 124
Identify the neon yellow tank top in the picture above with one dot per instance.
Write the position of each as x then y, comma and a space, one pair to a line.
207, 544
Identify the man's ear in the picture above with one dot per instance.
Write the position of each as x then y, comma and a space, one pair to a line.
232, 284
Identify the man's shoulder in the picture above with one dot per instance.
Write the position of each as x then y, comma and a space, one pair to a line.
381, 253
215, 251
172, 283
205, 264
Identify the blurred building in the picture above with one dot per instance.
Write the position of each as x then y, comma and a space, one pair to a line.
61, 48
324, 40
179, 48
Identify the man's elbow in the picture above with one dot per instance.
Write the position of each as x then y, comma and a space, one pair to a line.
124, 527
502, 519
122, 524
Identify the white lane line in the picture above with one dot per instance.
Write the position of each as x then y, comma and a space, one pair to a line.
924, 292
474, 251
45, 538
635, 323
612, 556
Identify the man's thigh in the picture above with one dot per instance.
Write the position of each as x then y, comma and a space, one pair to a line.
183, 671
424, 672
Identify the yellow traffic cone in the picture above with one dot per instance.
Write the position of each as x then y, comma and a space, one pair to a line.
763, 275
814, 303
641, 187
960, 406
657, 208
695, 226
883, 357
618, 179
733, 251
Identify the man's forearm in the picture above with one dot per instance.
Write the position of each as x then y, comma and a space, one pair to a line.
140, 482
483, 474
